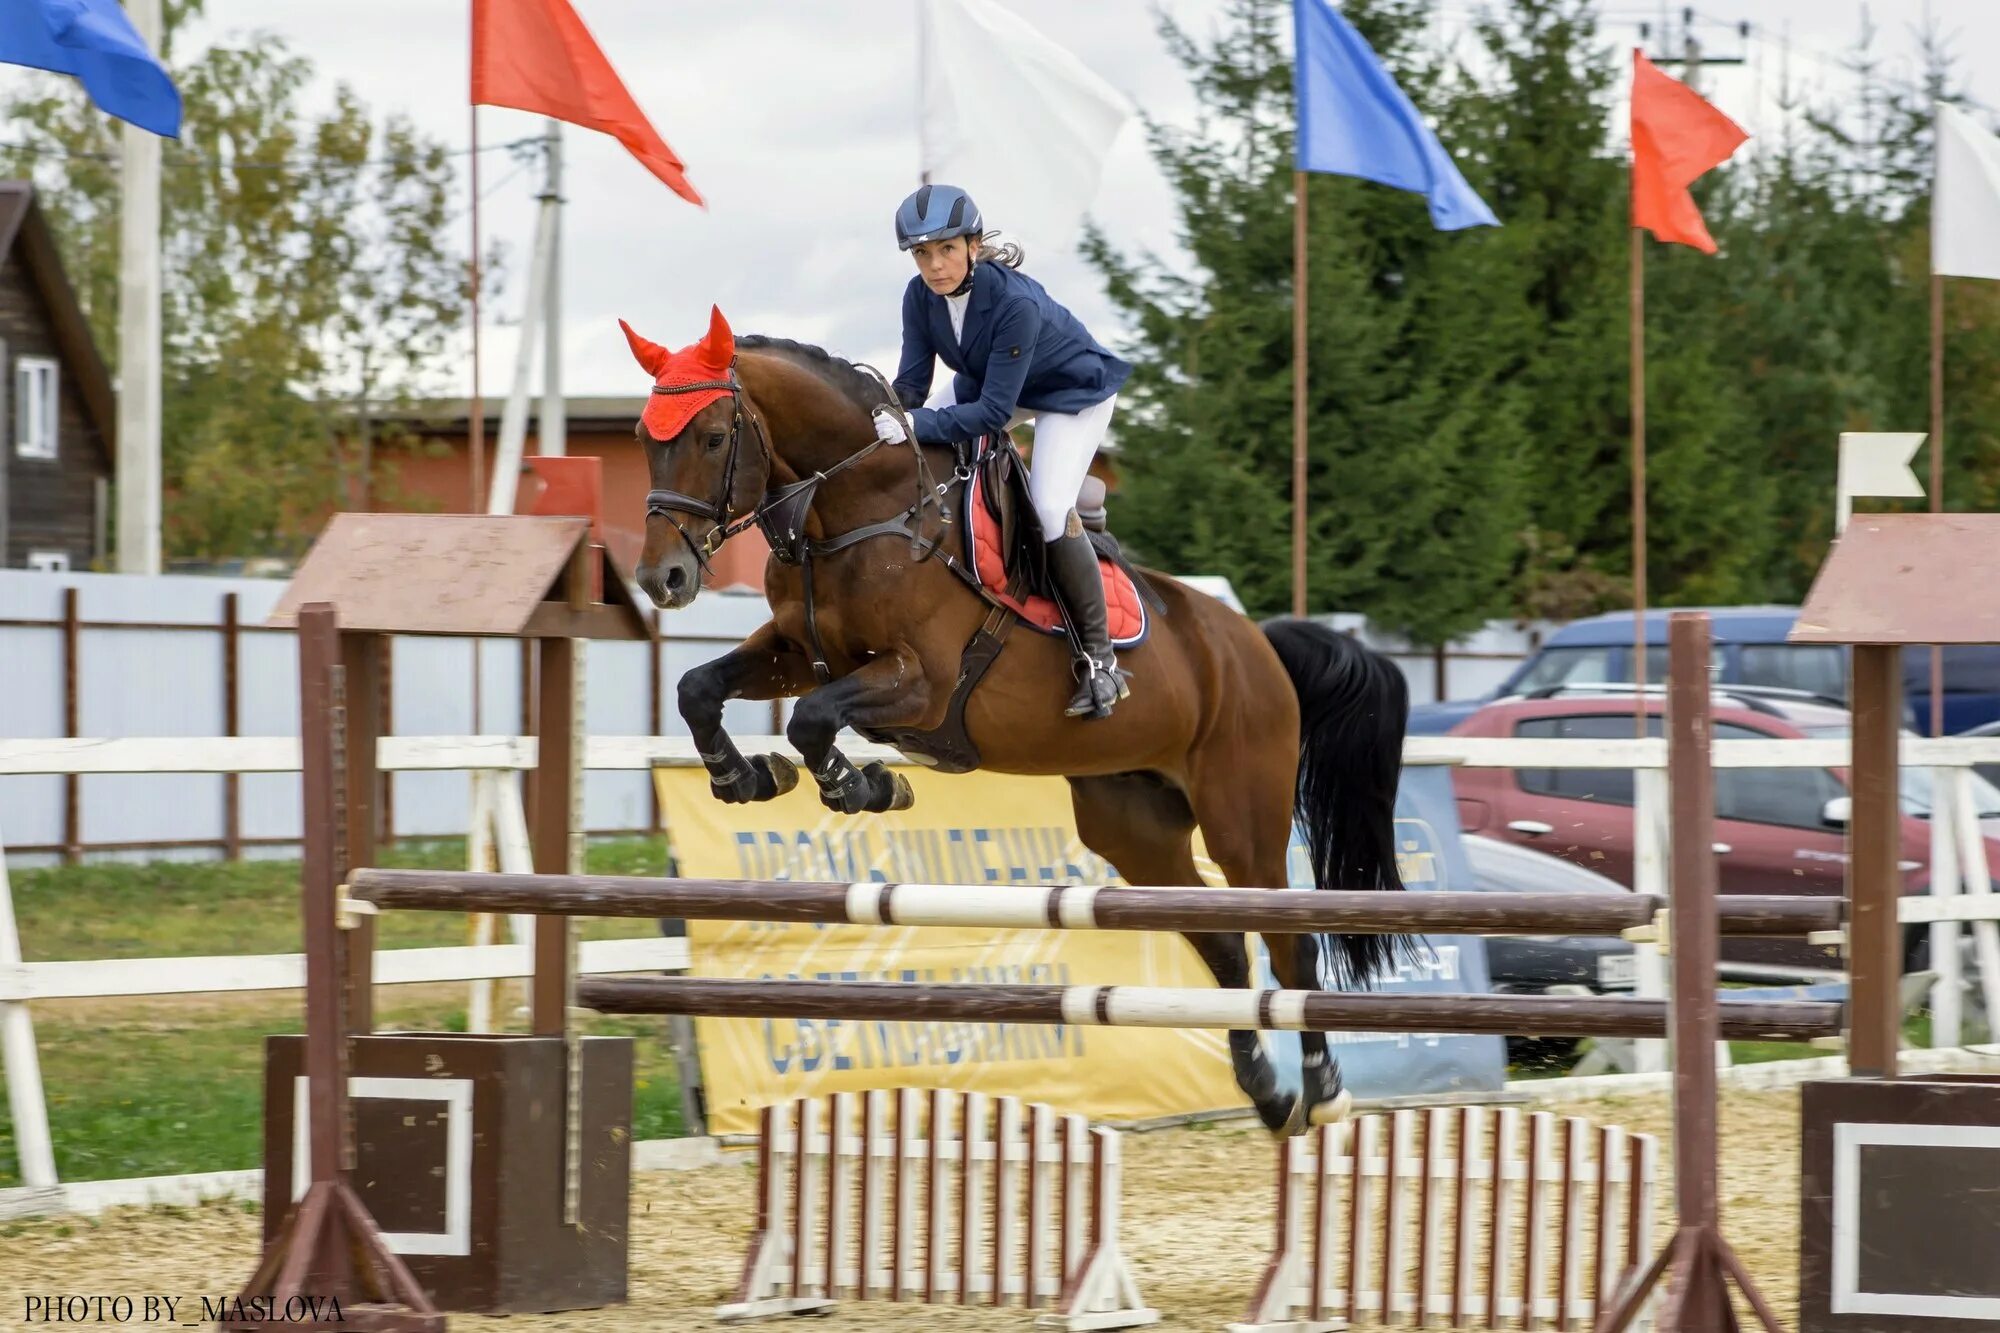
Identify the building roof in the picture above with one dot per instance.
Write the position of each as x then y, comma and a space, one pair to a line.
618, 412
24, 228
1908, 578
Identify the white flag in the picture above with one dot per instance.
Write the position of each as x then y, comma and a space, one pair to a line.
1875, 463
1965, 213
1014, 120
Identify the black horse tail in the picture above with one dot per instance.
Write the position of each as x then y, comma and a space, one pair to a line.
1353, 704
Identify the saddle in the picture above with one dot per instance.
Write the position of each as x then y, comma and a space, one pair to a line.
1006, 551
1004, 560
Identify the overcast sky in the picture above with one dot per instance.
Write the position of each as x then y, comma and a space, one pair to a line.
797, 119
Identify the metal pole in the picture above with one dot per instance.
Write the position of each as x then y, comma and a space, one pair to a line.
139, 332
1298, 393
1937, 474
1639, 481
475, 414
514, 417
554, 436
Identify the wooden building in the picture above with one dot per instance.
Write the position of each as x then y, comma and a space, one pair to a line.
58, 416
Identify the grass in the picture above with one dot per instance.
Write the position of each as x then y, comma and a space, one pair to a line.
173, 1084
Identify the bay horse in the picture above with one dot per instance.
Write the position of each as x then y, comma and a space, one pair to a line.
1233, 728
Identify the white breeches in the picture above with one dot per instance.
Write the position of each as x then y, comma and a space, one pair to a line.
1065, 443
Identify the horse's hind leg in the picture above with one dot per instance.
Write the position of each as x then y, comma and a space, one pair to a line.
1142, 825
1246, 826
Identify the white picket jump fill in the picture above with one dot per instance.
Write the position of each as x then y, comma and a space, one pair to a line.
1455, 1218
1019, 1207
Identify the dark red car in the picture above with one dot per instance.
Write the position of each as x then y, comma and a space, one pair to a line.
1777, 830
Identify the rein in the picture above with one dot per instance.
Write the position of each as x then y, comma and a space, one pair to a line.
782, 513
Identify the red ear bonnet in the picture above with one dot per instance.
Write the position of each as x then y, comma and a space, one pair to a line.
704, 362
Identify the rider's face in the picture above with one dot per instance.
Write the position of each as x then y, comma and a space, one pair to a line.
942, 263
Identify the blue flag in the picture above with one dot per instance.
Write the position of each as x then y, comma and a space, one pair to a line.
1355, 121
95, 42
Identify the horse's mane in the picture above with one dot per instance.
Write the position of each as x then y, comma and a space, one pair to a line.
857, 385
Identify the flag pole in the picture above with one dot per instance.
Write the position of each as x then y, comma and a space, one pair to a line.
1937, 473
1298, 393
476, 409
1639, 479
475, 415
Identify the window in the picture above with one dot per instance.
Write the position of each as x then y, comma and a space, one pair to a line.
1582, 667
1607, 786
1566, 666
49, 562
1791, 797
1816, 670
35, 407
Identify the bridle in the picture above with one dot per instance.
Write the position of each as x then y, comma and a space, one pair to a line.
719, 512
782, 512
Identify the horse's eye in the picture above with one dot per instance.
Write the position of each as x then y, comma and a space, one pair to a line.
715, 438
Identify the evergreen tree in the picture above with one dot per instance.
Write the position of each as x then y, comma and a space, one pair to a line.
1414, 440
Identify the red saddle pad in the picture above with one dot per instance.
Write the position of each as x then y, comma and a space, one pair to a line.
1125, 613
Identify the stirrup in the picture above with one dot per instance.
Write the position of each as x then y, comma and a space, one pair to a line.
1098, 690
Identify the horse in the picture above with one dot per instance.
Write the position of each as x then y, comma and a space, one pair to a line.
1233, 728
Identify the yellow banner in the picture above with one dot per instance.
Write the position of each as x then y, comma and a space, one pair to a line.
978, 828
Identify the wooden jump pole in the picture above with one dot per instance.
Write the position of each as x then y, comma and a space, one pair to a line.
1069, 907
1193, 1007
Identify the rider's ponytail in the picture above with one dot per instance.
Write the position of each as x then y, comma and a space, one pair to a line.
1009, 253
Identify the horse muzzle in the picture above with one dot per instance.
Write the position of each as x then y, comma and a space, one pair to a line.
672, 581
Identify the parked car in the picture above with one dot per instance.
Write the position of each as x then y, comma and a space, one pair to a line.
1750, 650
1531, 964
1777, 830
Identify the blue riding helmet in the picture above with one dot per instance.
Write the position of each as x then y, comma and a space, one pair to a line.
936, 213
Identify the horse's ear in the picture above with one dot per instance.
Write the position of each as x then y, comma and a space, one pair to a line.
651, 355
718, 348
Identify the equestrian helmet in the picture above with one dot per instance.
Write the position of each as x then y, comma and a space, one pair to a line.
936, 213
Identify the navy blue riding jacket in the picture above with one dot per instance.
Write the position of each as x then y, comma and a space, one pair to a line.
1019, 349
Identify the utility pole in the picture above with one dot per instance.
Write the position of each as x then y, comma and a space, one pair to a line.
138, 453
1690, 53
554, 437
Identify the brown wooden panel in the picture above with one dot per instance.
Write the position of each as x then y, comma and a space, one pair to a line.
441, 573
1928, 1211
1907, 578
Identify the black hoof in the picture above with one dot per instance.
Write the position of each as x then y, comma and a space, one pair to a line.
1284, 1116
887, 790
782, 772
764, 778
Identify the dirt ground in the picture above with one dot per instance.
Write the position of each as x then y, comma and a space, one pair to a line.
1197, 1228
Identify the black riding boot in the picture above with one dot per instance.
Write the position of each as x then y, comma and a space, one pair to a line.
1073, 566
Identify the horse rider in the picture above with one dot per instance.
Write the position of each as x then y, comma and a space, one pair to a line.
1018, 354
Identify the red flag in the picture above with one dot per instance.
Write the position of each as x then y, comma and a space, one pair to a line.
1676, 137
536, 55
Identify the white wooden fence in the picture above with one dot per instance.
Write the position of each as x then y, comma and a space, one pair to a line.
1962, 890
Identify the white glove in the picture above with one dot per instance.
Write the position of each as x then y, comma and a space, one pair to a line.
888, 428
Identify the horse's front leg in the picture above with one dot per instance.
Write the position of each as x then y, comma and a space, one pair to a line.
890, 691
765, 666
